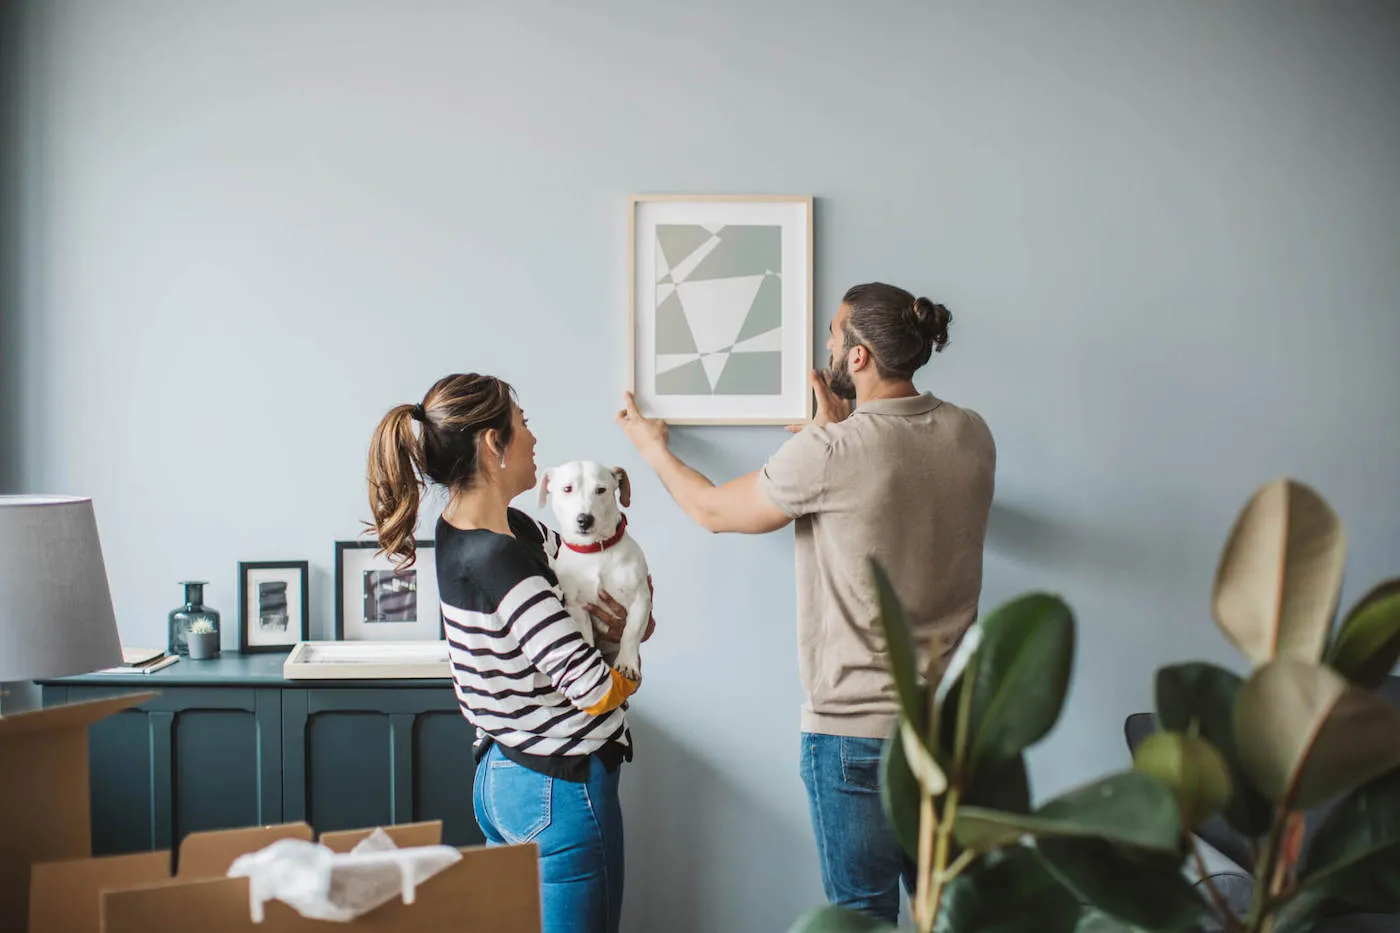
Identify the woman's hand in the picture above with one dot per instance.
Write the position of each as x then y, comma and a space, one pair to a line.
611, 618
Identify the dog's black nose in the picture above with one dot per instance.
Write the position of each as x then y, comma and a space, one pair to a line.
585, 522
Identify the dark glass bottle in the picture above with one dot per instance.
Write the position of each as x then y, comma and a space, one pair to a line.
192, 611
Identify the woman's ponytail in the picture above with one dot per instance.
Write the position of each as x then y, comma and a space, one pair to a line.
395, 482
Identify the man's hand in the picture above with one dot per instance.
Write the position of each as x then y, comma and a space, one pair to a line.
648, 435
611, 617
830, 407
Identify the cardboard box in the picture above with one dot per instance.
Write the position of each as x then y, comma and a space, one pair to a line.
45, 807
495, 890
49, 882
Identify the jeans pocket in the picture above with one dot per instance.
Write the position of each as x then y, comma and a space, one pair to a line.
479, 785
519, 801
860, 762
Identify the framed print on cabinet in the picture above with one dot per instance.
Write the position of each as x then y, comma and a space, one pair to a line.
720, 308
376, 600
273, 604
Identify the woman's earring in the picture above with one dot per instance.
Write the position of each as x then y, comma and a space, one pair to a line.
503, 461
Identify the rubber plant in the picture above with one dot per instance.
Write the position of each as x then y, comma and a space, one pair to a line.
1302, 728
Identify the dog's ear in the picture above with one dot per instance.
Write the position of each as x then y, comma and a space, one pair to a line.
544, 487
624, 486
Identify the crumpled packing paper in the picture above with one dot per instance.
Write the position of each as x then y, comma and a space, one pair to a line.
323, 885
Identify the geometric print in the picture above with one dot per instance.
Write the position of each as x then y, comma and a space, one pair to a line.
719, 309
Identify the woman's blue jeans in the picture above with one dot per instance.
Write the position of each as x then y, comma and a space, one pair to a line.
577, 827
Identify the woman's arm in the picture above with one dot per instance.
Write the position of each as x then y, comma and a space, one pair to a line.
550, 639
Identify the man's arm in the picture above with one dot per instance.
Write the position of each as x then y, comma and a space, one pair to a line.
737, 506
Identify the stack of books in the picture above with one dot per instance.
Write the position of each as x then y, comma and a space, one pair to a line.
142, 661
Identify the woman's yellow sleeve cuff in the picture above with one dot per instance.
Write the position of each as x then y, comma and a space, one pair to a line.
619, 689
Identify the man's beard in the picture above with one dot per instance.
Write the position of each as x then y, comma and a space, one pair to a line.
840, 382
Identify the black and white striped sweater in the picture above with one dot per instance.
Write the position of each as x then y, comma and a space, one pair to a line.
523, 674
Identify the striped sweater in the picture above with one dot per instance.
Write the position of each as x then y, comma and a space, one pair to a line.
523, 674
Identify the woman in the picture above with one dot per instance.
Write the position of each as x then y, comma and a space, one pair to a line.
549, 710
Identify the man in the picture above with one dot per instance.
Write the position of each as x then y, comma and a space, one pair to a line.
905, 478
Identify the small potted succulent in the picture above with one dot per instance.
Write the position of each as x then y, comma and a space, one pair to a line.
203, 640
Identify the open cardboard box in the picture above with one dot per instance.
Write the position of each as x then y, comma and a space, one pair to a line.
488, 891
49, 882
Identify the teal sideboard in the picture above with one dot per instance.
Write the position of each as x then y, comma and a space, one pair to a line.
230, 742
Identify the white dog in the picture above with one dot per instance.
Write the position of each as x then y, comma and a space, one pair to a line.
598, 553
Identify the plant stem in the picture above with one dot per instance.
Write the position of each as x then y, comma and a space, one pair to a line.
1227, 916
956, 783
1260, 911
927, 819
941, 875
960, 864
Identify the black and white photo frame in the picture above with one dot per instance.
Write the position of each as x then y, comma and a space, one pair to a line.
273, 605
375, 600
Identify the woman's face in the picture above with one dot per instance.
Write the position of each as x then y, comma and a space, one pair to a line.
519, 475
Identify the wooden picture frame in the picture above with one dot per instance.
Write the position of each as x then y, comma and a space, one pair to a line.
368, 660
274, 605
719, 311
365, 580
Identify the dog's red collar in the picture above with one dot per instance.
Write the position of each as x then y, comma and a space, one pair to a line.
599, 546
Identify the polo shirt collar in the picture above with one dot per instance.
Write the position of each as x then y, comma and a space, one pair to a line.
913, 405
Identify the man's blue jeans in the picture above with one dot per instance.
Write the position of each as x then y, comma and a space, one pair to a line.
578, 829
861, 860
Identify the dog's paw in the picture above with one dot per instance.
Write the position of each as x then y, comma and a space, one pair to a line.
628, 665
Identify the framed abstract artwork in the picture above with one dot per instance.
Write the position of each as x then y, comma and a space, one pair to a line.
376, 600
273, 605
720, 309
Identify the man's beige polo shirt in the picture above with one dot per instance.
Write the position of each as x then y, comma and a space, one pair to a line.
908, 481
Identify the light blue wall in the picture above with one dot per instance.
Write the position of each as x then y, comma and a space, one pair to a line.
1167, 231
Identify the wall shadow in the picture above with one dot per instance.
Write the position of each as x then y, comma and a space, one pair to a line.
703, 854
1060, 543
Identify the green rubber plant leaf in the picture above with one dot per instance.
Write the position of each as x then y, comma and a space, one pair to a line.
920, 760
1279, 577
1131, 808
899, 641
1143, 888
1009, 891
997, 785
904, 668
1307, 911
1367, 645
831, 919
900, 794
1020, 674
1204, 695
1093, 921
947, 696
1306, 735
1002, 786
1191, 767
1355, 855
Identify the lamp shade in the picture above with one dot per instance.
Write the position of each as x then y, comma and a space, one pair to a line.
55, 608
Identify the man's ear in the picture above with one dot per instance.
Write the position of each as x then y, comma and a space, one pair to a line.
544, 486
624, 486
859, 358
